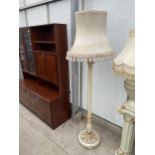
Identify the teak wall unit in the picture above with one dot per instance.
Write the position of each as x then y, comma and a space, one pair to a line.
45, 87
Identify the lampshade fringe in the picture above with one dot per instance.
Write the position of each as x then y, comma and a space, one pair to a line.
89, 59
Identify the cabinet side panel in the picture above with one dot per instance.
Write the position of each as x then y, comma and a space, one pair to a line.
61, 47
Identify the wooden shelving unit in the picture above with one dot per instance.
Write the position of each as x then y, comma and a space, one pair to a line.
45, 87
44, 42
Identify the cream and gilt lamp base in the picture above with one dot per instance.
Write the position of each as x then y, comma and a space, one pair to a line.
89, 139
119, 152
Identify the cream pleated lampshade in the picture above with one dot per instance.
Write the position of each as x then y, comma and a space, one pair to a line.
91, 43
124, 63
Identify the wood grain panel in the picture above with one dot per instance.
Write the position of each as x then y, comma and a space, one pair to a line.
51, 68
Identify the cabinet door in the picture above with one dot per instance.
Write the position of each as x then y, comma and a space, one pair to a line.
40, 59
51, 68
29, 51
22, 54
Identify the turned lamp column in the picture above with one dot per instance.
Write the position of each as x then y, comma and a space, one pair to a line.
89, 138
124, 64
90, 45
89, 97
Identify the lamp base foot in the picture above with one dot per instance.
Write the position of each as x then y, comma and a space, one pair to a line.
89, 139
119, 152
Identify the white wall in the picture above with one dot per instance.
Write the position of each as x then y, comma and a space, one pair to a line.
22, 21
37, 16
108, 88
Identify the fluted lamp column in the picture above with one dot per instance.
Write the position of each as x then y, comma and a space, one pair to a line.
90, 45
124, 64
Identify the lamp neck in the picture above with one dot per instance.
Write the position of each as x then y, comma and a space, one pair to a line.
129, 86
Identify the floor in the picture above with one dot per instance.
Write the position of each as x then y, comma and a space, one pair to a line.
36, 138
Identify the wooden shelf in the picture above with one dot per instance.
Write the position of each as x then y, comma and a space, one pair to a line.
28, 72
45, 79
44, 91
48, 52
44, 42
44, 46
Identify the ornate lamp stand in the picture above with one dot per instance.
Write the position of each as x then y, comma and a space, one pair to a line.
88, 137
90, 45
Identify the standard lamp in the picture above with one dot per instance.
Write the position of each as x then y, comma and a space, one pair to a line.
124, 64
90, 45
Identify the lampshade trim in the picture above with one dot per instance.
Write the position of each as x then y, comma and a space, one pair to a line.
90, 11
126, 71
89, 59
